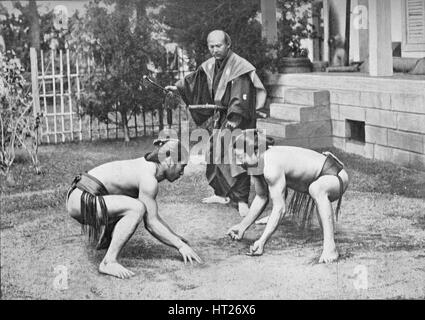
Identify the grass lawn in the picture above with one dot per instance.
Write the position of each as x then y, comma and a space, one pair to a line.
381, 227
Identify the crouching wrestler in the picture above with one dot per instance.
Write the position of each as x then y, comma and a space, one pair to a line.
316, 180
112, 199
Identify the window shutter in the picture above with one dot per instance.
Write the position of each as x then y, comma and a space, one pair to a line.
415, 21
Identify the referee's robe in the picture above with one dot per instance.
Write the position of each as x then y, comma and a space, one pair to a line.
233, 84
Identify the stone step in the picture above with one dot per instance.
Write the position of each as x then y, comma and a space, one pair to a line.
277, 100
342, 81
310, 143
294, 95
315, 113
285, 111
299, 113
277, 91
321, 128
307, 97
273, 127
294, 130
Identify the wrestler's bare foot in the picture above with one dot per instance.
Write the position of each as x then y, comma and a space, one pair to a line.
113, 268
216, 199
329, 255
243, 209
262, 220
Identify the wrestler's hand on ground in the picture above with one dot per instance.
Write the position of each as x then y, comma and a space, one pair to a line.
189, 254
236, 232
256, 249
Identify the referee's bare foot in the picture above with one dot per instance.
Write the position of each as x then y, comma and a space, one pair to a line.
216, 199
113, 268
329, 253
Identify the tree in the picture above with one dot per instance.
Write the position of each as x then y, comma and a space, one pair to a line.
34, 19
118, 36
3, 11
15, 29
22, 31
25, 28
188, 23
294, 26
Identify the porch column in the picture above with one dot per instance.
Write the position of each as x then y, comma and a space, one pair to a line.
326, 51
268, 20
380, 47
316, 8
363, 31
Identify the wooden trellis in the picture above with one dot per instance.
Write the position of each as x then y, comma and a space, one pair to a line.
56, 77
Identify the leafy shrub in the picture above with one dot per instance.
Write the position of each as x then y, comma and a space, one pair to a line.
18, 126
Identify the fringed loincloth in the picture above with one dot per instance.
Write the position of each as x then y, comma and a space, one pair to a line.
301, 206
93, 192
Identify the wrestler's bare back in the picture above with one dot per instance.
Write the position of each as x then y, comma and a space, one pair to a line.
300, 166
124, 177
